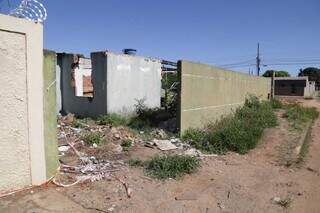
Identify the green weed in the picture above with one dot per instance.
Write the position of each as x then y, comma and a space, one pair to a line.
276, 104
164, 167
91, 138
239, 132
298, 115
126, 144
112, 119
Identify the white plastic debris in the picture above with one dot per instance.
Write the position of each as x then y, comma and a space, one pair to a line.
63, 148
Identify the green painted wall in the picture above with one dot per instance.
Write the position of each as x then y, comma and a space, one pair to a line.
50, 116
207, 93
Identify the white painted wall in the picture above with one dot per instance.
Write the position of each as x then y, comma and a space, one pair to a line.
132, 78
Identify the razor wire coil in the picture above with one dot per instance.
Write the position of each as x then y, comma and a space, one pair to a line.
31, 10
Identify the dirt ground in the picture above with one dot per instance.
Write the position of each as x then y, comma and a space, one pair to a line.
230, 183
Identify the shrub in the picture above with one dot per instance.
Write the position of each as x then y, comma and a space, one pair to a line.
112, 119
91, 138
239, 132
163, 167
145, 117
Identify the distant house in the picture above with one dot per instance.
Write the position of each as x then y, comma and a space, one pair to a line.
294, 86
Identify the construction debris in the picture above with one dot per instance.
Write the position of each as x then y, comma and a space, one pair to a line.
164, 145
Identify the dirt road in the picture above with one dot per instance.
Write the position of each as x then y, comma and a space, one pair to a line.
230, 183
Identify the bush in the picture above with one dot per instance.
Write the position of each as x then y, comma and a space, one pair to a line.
145, 117
239, 132
163, 167
112, 119
91, 138
297, 115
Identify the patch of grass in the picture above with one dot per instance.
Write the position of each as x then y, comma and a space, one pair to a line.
276, 104
91, 138
126, 144
171, 166
239, 132
135, 162
298, 115
112, 119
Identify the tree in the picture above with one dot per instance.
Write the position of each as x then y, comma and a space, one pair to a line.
313, 73
268, 73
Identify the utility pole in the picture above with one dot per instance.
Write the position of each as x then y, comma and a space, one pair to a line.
258, 60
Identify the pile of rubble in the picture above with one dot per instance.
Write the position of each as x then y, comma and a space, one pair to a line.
86, 165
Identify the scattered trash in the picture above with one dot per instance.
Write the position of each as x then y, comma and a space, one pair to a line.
94, 145
282, 202
76, 130
192, 152
112, 208
117, 136
164, 145
63, 148
220, 205
160, 133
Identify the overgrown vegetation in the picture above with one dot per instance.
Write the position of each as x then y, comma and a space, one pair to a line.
144, 118
112, 119
298, 115
171, 166
239, 132
276, 104
91, 138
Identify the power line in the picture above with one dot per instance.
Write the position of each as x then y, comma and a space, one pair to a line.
294, 63
236, 63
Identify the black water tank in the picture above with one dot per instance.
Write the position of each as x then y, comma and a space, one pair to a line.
129, 51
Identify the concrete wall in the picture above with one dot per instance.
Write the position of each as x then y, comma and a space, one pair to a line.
209, 92
118, 82
132, 78
22, 152
83, 106
50, 116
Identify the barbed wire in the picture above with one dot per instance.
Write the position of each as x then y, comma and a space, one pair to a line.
32, 10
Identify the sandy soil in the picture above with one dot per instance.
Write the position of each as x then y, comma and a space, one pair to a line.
230, 183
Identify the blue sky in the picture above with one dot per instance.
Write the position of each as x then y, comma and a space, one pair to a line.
215, 32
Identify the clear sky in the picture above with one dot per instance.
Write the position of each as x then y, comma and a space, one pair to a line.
215, 32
